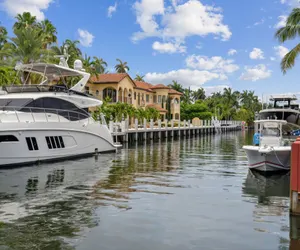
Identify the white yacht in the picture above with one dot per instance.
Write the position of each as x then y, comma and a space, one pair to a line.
50, 122
284, 108
270, 153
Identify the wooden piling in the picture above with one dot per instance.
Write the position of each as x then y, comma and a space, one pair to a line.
295, 178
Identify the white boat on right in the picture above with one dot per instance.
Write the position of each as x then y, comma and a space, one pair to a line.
269, 152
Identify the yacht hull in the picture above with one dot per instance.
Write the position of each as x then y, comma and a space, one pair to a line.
268, 159
41, 143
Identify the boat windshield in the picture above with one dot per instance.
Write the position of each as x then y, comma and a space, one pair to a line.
270, 132
16, 103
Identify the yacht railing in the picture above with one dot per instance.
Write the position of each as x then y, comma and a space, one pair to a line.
34, 114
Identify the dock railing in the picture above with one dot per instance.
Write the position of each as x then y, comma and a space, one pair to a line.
135, 126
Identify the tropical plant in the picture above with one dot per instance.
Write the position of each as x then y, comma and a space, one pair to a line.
198, 94
139, 78
25, 20
121, 67
176, 86
288, 32
99, 64
48, 31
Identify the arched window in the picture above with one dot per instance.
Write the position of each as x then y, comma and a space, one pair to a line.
111, 93
176, 101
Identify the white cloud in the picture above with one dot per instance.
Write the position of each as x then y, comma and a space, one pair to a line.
281, 51
35, 7
178, 21
213, 89
231, 52
194, 18
272, 58
146, 10
187, 77
292, 3
256, 53
259, 22
255, 73
111, 10
169, 48
85, 38
281, 22
215, 64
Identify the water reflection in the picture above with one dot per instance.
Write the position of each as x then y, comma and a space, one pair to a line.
151, 195
270, 194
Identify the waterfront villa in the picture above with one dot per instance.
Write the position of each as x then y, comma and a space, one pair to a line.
121, 88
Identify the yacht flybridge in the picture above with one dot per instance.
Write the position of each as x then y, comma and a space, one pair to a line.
283, 108
49, 122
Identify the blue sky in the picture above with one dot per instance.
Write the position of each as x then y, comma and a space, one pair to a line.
199, 43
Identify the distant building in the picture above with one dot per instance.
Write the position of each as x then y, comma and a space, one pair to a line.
121, 88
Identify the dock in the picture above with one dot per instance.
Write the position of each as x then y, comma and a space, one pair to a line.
149, 130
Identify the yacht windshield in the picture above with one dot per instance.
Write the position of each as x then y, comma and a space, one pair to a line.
270, 132
14, 104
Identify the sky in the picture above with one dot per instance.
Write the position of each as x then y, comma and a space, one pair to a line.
199, 43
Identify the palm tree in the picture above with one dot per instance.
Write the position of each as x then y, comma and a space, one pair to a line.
122, 67
88, 65
24, 20
48, 31
139, 78
187, 96
288, 32
176, 86
198, 94
99, 65
73, 51
26, 47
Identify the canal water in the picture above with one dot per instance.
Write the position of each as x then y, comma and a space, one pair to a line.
194, 193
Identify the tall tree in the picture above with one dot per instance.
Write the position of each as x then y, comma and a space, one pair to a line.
139, 78
26, 47
198, 94
25, 20
288, 32
176, 86
121, 67
99, 64
48, 31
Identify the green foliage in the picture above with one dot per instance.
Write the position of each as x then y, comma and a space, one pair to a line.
119, 110
198, 109
121, 67
290, 31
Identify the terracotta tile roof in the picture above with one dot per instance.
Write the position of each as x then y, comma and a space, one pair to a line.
143, 85
109, 78
160, 109
173, 91
160, 86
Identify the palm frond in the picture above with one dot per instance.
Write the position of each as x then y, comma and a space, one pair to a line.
288, 60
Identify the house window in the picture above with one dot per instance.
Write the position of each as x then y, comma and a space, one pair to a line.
142, 97
154, 99
32, 143
97, 92
159, 99
176, 101
111, 93
87, 90
147, 98
134, 95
